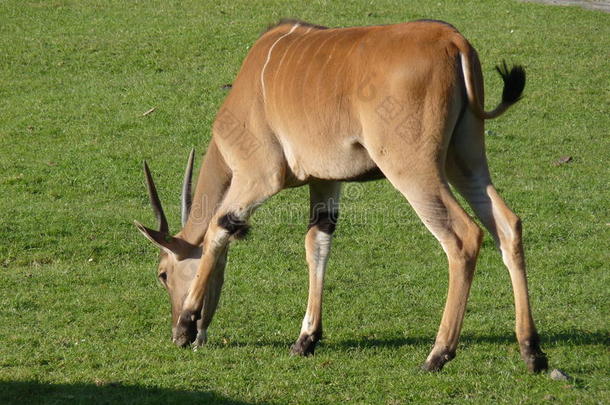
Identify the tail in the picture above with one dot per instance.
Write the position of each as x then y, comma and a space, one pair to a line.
514, 82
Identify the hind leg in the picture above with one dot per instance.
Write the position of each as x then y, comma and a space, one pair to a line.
411, 155
460, 237
468, 172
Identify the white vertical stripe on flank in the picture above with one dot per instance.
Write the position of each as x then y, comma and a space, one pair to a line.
269, 58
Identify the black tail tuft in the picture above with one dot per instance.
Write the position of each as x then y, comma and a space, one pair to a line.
514, 82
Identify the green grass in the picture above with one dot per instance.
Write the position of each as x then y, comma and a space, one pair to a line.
82, 318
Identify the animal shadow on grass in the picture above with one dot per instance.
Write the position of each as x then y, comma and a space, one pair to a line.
564, 338
33, 392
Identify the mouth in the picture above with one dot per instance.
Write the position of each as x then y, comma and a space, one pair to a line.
184, 334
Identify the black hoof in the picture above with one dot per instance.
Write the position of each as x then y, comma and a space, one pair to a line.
436, 362
186, 329
537, 363
534, 357
305, 345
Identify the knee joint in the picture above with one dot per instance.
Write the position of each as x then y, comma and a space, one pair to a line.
475, 241
468, 243
511, 237
517, 228
236, 227
324, 221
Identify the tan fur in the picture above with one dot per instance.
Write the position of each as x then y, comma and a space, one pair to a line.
318, 106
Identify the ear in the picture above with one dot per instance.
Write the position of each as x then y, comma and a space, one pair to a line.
164, 241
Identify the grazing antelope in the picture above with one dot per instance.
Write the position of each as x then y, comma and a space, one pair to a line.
319, 106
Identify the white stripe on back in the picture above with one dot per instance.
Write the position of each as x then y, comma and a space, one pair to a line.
269, 58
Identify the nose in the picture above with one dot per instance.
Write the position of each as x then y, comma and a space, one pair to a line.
184, 333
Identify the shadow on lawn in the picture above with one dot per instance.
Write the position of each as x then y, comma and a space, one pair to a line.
575, 337
32, 392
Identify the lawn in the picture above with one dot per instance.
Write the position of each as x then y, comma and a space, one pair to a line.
82, 318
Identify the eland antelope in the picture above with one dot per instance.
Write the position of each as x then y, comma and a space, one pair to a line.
320, 106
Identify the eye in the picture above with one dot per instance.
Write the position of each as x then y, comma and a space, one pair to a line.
163, 277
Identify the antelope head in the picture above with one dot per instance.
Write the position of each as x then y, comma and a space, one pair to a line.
178, 259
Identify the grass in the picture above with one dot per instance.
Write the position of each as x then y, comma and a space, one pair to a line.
81, 317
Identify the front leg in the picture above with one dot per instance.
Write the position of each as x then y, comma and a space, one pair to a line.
206, 286
211, 298
230, 222
323, 219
